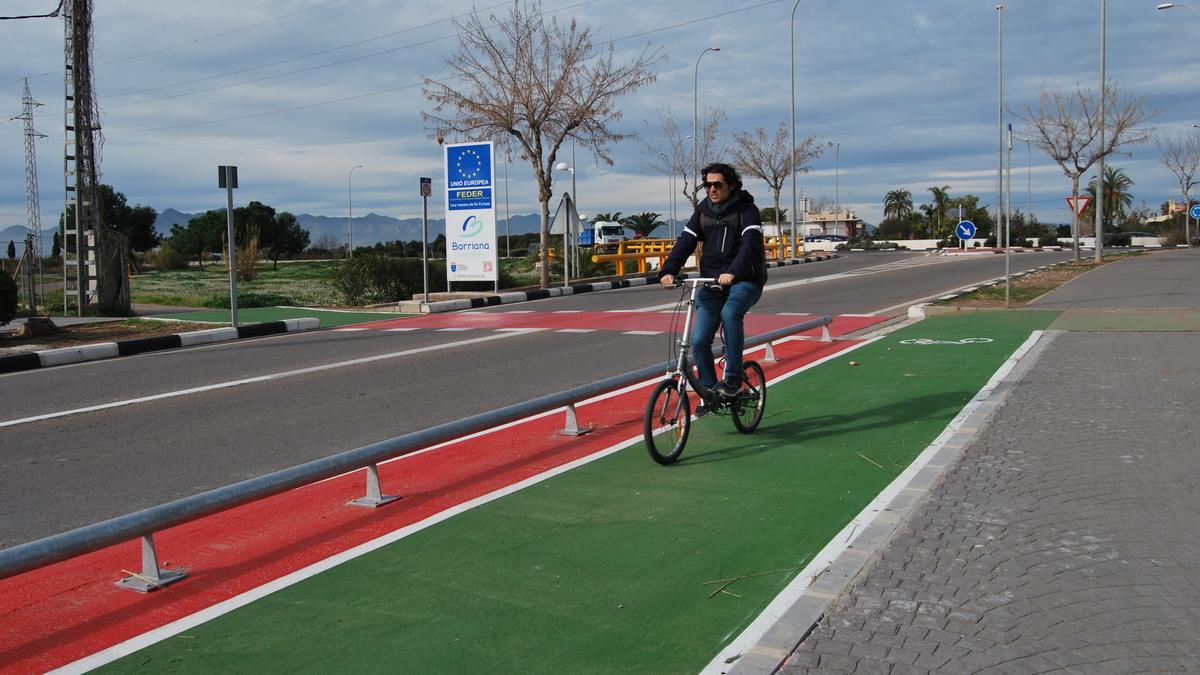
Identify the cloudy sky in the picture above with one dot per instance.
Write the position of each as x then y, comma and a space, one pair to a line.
296, 92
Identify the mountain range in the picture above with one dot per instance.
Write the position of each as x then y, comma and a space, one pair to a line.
368, 230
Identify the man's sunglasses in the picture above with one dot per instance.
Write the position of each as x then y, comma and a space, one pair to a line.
714, 184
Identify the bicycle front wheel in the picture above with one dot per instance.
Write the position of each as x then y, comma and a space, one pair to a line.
667, 422
749, 405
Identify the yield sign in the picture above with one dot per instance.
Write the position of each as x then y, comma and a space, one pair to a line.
1078, 204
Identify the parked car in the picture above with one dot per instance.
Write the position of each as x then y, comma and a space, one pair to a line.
827, 237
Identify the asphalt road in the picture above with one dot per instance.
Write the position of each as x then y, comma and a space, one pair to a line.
330, 391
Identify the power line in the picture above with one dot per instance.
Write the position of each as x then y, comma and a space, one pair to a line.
36, 16
410, 86
287, 60
217, 35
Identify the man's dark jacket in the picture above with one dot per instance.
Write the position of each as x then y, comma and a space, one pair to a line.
732, 236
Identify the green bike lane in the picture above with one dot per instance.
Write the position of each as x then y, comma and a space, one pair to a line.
620, 564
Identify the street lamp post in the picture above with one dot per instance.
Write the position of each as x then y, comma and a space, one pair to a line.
671, 194
1000, 122
792, 159
1187, 202
1100, 174
562, 166
837, 195
696, 113
350, 211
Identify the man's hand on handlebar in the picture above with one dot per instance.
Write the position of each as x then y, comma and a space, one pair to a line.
725, 280
667, 280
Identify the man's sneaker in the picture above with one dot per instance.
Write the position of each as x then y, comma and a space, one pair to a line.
701, 410
729, 387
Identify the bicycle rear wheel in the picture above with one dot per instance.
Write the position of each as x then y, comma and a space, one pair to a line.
667, 421
749, 405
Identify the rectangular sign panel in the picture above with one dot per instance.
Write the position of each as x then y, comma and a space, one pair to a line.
471, 252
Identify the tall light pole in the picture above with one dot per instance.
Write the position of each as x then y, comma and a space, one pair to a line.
696, 114
792, 159
837, 196
350, 212
507, 215
562, 166
1000, 119
671, 195
1187, 202
1100, 173
1008, 229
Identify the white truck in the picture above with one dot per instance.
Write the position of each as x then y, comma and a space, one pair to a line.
604, 234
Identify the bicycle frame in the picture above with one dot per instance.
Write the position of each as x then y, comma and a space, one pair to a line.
683, 369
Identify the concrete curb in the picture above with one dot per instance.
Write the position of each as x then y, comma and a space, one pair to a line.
559, 291
46, 358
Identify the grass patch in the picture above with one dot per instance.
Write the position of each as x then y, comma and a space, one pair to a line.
294, 283
1029, 287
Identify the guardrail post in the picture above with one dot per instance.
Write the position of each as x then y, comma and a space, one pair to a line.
572, 427
374, 497
151, 578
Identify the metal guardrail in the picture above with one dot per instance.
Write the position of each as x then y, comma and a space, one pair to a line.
143, 524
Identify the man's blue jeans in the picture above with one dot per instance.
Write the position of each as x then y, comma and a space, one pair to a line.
713, 307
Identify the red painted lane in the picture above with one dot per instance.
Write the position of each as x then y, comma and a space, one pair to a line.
605, 321
64, 612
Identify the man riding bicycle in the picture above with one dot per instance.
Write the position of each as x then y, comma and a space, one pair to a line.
729, 224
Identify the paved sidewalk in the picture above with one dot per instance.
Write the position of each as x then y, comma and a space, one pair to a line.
1066, 537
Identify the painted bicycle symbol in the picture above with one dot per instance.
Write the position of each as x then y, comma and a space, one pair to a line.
929, 341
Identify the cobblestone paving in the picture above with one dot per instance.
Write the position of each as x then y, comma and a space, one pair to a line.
1067, 539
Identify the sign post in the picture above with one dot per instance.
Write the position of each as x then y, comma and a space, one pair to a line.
470, 213
228, 179
426, 190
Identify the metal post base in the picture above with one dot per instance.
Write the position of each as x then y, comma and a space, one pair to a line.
572, 427
374, 497
151, 578
825, 334
770, 355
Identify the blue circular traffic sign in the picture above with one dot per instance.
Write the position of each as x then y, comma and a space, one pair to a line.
1195, 211
965, 230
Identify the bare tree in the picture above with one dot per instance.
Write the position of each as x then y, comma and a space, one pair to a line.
527, 80
1182, 156
757, 156
672, 141
1067, 127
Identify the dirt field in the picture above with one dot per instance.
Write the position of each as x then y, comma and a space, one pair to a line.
90, 333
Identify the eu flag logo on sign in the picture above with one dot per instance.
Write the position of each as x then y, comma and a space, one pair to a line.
468, 166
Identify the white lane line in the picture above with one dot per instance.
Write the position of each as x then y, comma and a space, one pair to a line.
174, 628
567, 311
453, 330
642, 332
398, 330
262, 378
575, 330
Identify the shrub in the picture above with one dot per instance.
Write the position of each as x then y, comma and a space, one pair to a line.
8, 298
251, 299
368, 279
167, 258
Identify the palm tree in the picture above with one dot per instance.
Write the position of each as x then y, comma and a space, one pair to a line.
1118, 200
642, 224
614, 217
897, 204
941, 196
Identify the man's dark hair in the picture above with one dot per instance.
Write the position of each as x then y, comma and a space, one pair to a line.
730, 174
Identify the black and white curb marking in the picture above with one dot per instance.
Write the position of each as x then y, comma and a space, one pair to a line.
107, 350
559, 291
